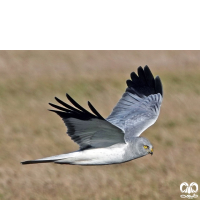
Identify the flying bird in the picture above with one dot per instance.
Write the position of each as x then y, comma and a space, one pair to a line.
114, 139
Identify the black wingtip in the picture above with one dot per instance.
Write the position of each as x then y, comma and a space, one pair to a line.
140, 68
68, 96
146, 66
158, 85
77, 105
149, 77
134, 76
141, 74
51, 104
144, 82
94, 111
147, 71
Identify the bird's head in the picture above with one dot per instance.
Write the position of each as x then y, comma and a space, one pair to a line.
144, 146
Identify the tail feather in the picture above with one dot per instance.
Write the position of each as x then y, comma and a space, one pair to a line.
36, 161
49, 159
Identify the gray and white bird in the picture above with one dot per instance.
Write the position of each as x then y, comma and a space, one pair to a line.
114, 139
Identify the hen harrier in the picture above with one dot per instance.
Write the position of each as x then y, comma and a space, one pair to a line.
115, 139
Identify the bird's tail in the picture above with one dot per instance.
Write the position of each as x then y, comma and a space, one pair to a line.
35, 161
49, 159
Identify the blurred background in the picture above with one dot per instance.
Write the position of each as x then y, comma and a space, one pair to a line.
29, 80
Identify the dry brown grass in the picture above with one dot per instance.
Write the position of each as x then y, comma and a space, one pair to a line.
30, 79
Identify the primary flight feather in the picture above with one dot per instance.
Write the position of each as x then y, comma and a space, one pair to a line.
116, 138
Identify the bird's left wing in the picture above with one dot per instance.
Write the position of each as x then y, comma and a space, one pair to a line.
86, 129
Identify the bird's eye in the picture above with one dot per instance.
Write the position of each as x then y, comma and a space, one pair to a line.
146, 147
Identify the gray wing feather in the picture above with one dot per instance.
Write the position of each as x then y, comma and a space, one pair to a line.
93, 133
122, 108
142, 116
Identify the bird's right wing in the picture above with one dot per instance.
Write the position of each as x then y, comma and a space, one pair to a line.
86, 129
140, 105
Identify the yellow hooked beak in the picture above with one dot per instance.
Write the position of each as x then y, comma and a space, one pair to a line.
151, 152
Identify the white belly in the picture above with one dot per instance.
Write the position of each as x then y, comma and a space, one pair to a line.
99, 156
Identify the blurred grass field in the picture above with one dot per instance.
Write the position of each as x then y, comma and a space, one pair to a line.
30, 80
